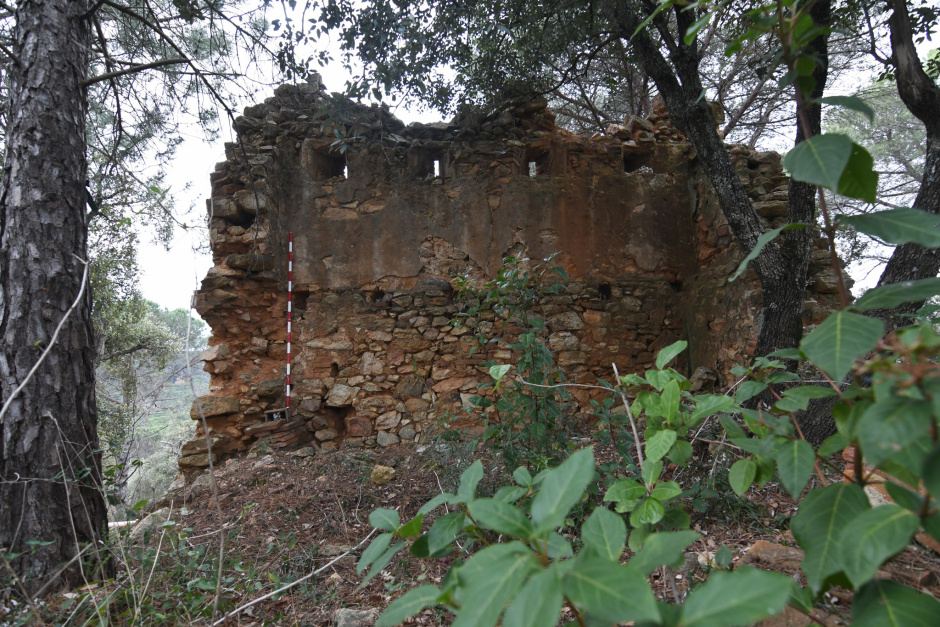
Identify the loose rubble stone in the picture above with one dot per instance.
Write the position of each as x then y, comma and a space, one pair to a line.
382, 474
355, 618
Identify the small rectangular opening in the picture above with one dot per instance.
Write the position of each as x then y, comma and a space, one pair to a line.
539, 161
427, 163
533, 169
345, 171
437, 168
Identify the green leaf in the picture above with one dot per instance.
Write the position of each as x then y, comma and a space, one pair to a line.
851, 102
510, 493
651, 471
889, 604
491, 578
741, 475
376, 548
659, 444
407, 605
658, 378
876, 535
859, 180
818, 525
731, 427
412, 529
741, 597
890, 425
680, 453
930, 472
561, 488
748, 390
539, 602
626, 493
382, 562
522, 476
899, 226
843, 338
609, 590
499, 371
809, 392
795, 462
832, 445
385, 519
820, 160
661, 549
500, 517
669, 353
649, 511
708, 404
669, 401
666, 490
437, 501
468, 482
762, 241
444, 530
557, 546
890, 296
605, 532
699, 24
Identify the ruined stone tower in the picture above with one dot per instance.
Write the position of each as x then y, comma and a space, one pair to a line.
385, 217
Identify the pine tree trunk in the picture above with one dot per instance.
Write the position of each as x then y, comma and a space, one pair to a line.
50, 467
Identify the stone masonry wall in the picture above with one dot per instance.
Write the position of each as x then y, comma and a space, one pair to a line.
385, 222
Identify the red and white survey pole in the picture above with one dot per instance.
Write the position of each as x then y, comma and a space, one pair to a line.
290, 290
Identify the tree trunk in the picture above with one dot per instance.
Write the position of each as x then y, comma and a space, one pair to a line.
50, 466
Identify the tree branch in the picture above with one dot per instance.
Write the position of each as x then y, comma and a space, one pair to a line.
133, 69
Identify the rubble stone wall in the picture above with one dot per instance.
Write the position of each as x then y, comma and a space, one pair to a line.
384, 223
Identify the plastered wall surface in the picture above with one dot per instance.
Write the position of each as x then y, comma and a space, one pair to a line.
386, 221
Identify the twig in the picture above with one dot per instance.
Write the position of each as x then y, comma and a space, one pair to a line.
291, 585
636, 433
45, 353
132, 69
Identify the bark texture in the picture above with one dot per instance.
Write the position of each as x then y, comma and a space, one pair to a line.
50, 468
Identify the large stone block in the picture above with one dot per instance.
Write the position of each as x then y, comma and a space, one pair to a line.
214, 406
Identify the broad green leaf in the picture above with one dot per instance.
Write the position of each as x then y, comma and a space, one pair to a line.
762, 241
837, 343
832, 445
444, 530
376, 548
666, 490
741, 597
605, 532
661, 549
490, 584
890, 296
699, 24
741, 475
382, 562
651, 471
899, 226
680, 453
876, 535
658, 378
522, 476
419, 548
499, 371
649, 511
500, 517
889, 604
820, 160
890, 425
437, 501
659, 444
626, 493
930, 472
411, 529
851, 102
510, 493
809, 392
748, 390
556, 546
731, 427
384, 519
669, 401
669, 353
859, 180
407, 605
708, 404
818, 525
468, 482
609, 590
539, 602
795, 462
561, 488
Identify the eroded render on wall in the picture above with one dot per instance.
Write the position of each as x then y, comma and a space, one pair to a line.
384, 224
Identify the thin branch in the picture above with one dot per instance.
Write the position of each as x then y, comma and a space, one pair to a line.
45, 353
291, 585
132, 69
